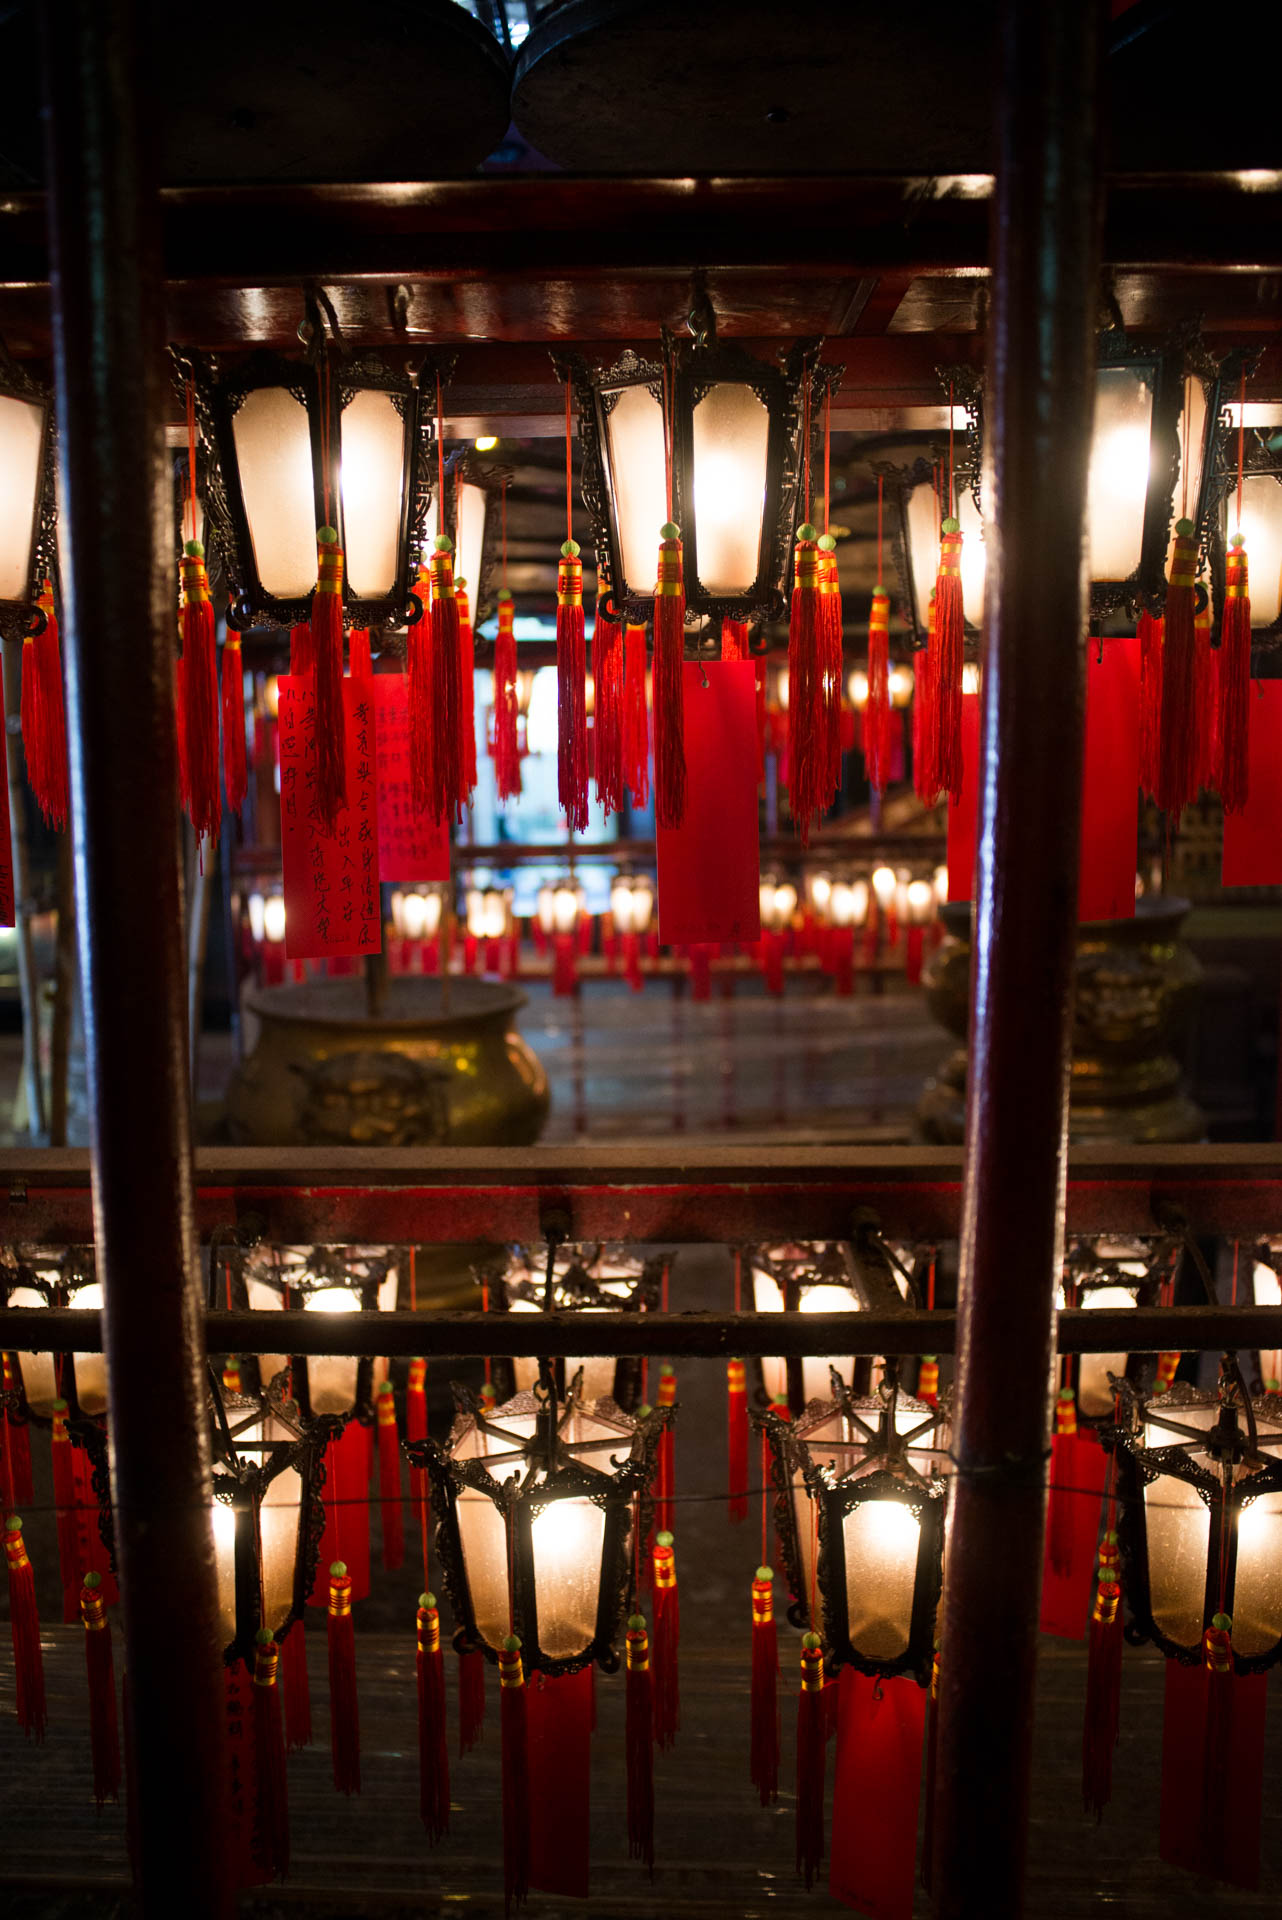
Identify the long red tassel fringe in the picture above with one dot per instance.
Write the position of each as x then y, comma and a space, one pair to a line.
360, 657
667, 1643
764, 1748
734, 639
104, 1731
830, 661
1235, 677
1103, 1685
516, 1776
1149, 633
64, 1499
946, 662
433, 1749
297, 1691
737, 1438
636, 718
327, 669
809, 789
24, 1623
925, 758
571, 690
1177, 746
344, 1712
467, 691
877, 731
607, 721
389, 1479
932, 1755
16, 1488
471, 1700
235, 758
811, 1758
447, 760
44, 721
669, 686
507, 750
639, 1739
666, 1458
271, 1828
200, 696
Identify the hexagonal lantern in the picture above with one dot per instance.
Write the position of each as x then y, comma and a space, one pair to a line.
267, 1516
585, 1279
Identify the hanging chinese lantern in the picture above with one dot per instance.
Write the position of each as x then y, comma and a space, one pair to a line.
631, 910
792, 1278
584, 1279
561, 911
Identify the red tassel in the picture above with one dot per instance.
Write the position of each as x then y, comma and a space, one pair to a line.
360, 660
877, 733
467, 690
761, 721
667, 1643
734, 639
389, 1479
516, 1779
639, 1739
416, 1429
737, 1412
1217, 1764
344, 1712
433, 1752
932, 1755
636, 720
327, 669
571, 690
1103, 1684
559, 1748
298, 1698
1059, 1519
24, 1622
1206, 702
666, 1461
669, 697
830, 660
914, 947
15, 1457
64, 1499
507, 751
764, 1749
1177, 746
104, 1731
946, 662
811, 1759
235, 759
925, 756
1149, 632
810, 696
446, 725
607, 722
471, 1700
271, 1826
1235, 678
44, 723
200, 696
420, 695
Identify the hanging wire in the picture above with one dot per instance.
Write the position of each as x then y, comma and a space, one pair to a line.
1241, 433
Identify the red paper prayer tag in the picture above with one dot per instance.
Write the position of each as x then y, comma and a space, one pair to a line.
963, 813
412, 846
709, 866
1253, 836
331, 878
875, 1795
1110, 781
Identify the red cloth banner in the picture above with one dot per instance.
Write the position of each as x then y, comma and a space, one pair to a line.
1079, 1467
1110, 781
873, 1853
709, 866
963, 813
411, 845
1253, 837
331, 878
559, 1719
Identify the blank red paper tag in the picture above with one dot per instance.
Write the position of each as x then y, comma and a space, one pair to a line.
411, 845
963, 813
710, 866
1253, 837
1079, 1467
7, 915
1110, 781
874, 1804
331, 878
560, 1728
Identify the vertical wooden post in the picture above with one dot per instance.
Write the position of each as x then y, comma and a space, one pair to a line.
1039, 409
118, 576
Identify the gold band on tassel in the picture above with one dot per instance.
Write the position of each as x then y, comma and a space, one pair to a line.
266, 1661
15, 1546
441, 567
195, 579
1184, 562
879, 618
510, 1670
569, 583
329, 567
1235, 575
1107, 1595
429, 1630
808, 568
1065, 1412
950, 545
638, 1646
736, 1380
812, 1667
1217, 1645
665, 1567
340, 1595
763, 1602
93, 1609
670, 584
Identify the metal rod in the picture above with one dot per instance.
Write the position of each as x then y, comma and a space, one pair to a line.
108, 312
28, 974
1045, 249
692, 1335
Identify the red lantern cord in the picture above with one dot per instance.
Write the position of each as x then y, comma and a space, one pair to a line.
669, 652
877, 713
1234, 687
433, 1751
571, 663
24, 1623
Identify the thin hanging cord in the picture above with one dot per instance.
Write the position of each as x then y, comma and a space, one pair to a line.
667, 438
950, 449
765, 1502
324, 426
1184, 453
569, 494
805, 437
1241, 431
503, 505
191, 457
440, 457
879, 510
827, 457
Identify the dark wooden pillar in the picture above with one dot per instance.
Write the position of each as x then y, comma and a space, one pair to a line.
118, 582
1038, 407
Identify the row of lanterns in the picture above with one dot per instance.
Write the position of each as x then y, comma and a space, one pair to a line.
553, 1502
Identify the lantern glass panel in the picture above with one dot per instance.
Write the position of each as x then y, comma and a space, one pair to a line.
1177, 1525
279, 1520
372, 479
471, 508
22, 428
483, 1537
38, 1380
264, 1297
273, 442
881, 1539
91, 1368
223, 1522
731, 431
1121, 463
567, 1541
1257, 1582
1262, 526
923, 516
331, 1378
638, 479
1094, 1395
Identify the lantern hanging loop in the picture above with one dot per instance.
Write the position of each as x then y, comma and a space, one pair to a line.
318, 318
701, 320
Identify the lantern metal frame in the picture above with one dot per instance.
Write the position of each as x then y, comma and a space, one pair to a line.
691, 369
23, 619
57, 1276
1259, 461
885, 1472
464, 468
1088, 1270
573, 1289
221, 389
1229, 1442
522, 1499
239, 1484
822, 1264
319, 1269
